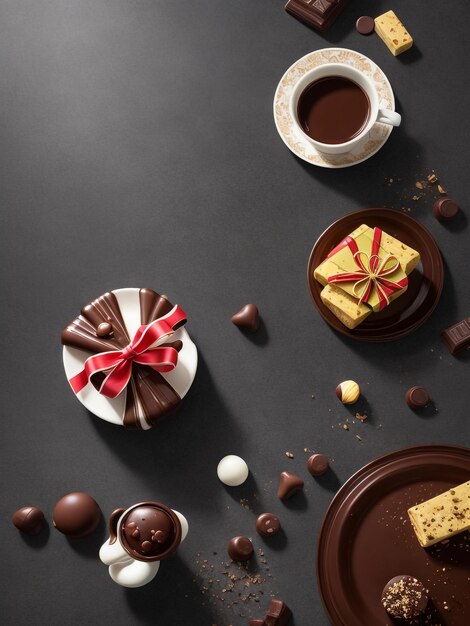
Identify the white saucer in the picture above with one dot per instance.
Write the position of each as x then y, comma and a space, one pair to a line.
285, 125
112, 409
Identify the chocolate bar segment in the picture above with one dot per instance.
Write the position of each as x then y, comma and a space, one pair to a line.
457, 337
318, 14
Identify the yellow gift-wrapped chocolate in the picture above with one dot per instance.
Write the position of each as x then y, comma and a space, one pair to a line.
364, 273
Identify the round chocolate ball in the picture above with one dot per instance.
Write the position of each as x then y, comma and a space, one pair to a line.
232, 470
445, 209
104, 329
365, 25
268, 524
29, 519
417, 398
404, 597
150, 531
240, 549
77, 514
317, 464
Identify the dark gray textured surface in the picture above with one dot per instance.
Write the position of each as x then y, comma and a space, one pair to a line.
138, 149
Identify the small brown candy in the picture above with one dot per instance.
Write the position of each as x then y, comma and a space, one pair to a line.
289, 484
29, 520
146, 546
317, 464
365, 25
240, 548
278, 614
417, 398
247, 318
445, 209
268, 524
104, 329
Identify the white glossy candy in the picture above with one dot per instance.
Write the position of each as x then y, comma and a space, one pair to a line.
232, 470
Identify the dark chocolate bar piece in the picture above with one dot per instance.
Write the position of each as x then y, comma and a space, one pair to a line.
319, 14
457, 337
278, 614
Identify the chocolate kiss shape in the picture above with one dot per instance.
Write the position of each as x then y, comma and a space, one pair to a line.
289, 484
247, 318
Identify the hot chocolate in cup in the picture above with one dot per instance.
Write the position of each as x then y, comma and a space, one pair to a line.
334, 106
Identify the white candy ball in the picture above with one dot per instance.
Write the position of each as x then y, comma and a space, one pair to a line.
232, 470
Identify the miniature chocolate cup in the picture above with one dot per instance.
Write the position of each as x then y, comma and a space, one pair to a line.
174, 521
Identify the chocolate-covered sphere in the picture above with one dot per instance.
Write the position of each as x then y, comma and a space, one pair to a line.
29, 519
77, 514
404, 597
268, 524
105, 329
240, 549
150, 531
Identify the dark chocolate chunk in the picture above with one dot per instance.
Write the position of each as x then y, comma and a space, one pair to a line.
29, 519
77, 514
278, 614
105, 329
289, 484
142, 523
268, 524
417, 398
445, 209
318, 14
365, 25
457, 337
318, 464
404, 597
247, 318
240, 548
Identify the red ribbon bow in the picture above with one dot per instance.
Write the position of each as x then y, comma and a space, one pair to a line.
373, 271
118, 363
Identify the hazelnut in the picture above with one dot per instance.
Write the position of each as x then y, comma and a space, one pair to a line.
348, 392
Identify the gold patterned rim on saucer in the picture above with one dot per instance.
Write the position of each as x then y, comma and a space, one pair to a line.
378, 134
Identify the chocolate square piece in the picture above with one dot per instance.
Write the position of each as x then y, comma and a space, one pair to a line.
319, 14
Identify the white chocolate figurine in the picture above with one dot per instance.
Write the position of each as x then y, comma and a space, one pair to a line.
140, 537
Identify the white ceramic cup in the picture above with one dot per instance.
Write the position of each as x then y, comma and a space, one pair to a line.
376, 114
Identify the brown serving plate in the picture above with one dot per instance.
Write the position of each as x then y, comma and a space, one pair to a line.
425, 284
366, 539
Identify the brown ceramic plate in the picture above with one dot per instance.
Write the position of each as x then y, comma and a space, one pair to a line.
366, 539
408, 311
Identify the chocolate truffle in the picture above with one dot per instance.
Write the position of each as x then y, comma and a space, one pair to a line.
268, 524
289, 484
317, 464
240, 548
247, 318
445, 209
348, 392
77, 514
417, 398
29, 520
404, 597
150, 531
232, 470
365, 25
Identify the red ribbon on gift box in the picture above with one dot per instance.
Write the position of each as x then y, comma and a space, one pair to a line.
372, 271
118, 363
